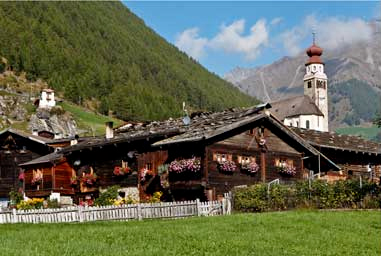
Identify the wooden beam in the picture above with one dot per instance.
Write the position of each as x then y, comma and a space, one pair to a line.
263, 166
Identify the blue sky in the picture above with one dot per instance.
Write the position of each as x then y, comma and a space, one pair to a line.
224, 35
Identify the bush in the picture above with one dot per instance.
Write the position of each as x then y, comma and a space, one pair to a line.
320, 195
15, 197
107, 197
57, 110
251, 199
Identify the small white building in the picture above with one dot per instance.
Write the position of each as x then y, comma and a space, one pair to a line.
47, 99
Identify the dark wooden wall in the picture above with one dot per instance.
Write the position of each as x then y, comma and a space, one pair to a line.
9, 170
243, 144
354, 163
15, 150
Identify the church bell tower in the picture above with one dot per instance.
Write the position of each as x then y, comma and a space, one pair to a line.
315, 83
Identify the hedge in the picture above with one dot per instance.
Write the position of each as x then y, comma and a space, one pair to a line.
320, 195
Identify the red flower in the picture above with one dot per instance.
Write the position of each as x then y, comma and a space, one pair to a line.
22, 176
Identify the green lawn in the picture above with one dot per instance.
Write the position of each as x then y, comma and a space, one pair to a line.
276, 233
88, 120
365, 132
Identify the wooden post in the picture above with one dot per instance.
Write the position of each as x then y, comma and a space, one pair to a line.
139, 209
198, 207
14, 216
263, 166
80, 214
224, 205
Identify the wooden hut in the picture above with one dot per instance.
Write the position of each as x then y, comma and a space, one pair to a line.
17, 147
356, 156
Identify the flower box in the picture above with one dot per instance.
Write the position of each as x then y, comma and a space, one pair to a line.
227, 166
89, 179
121, 171
287, 170
251, 167
183, 165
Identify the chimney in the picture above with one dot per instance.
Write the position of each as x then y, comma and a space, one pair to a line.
35, 132
109, 130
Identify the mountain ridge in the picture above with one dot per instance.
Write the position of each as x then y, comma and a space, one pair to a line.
101, 52
353, 65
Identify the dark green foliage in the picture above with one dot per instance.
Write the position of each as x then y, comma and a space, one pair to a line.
321, 195
53, 204
107, 197
57, 110
365, 101
15, 197
102, 51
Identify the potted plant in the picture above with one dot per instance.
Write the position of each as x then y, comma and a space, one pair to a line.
89, 179
73, 180
36, 180
145, 173
121, 171
21, 176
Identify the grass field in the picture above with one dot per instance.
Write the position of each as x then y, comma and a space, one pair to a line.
277, 233
365, 132
89, 120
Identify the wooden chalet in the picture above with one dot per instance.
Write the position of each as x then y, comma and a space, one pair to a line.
251, 136
67, 171
237, 136
355, 155
17, 147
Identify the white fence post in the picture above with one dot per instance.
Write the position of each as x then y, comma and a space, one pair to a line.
14, 216
139, 210
80, 214
198, 207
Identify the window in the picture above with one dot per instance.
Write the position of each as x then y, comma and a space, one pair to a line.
321, 84
297, 124
221, 157
309, 84
308, 124
245, 159
149, 166
281, 162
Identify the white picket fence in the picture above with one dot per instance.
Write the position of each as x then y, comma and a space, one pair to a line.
125, 212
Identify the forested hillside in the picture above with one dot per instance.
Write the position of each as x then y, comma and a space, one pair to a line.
102, 53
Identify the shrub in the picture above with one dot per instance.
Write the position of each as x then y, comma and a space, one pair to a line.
107, 197
320, 194
57, 110
15, 197
251, 199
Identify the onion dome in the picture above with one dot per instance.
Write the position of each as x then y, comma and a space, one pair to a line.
314, 52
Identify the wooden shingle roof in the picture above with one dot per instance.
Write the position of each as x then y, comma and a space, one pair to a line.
338, 141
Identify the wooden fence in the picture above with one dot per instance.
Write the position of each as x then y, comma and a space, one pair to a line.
124, 212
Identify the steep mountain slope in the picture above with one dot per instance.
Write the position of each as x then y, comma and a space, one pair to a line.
100, 53
354, 73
